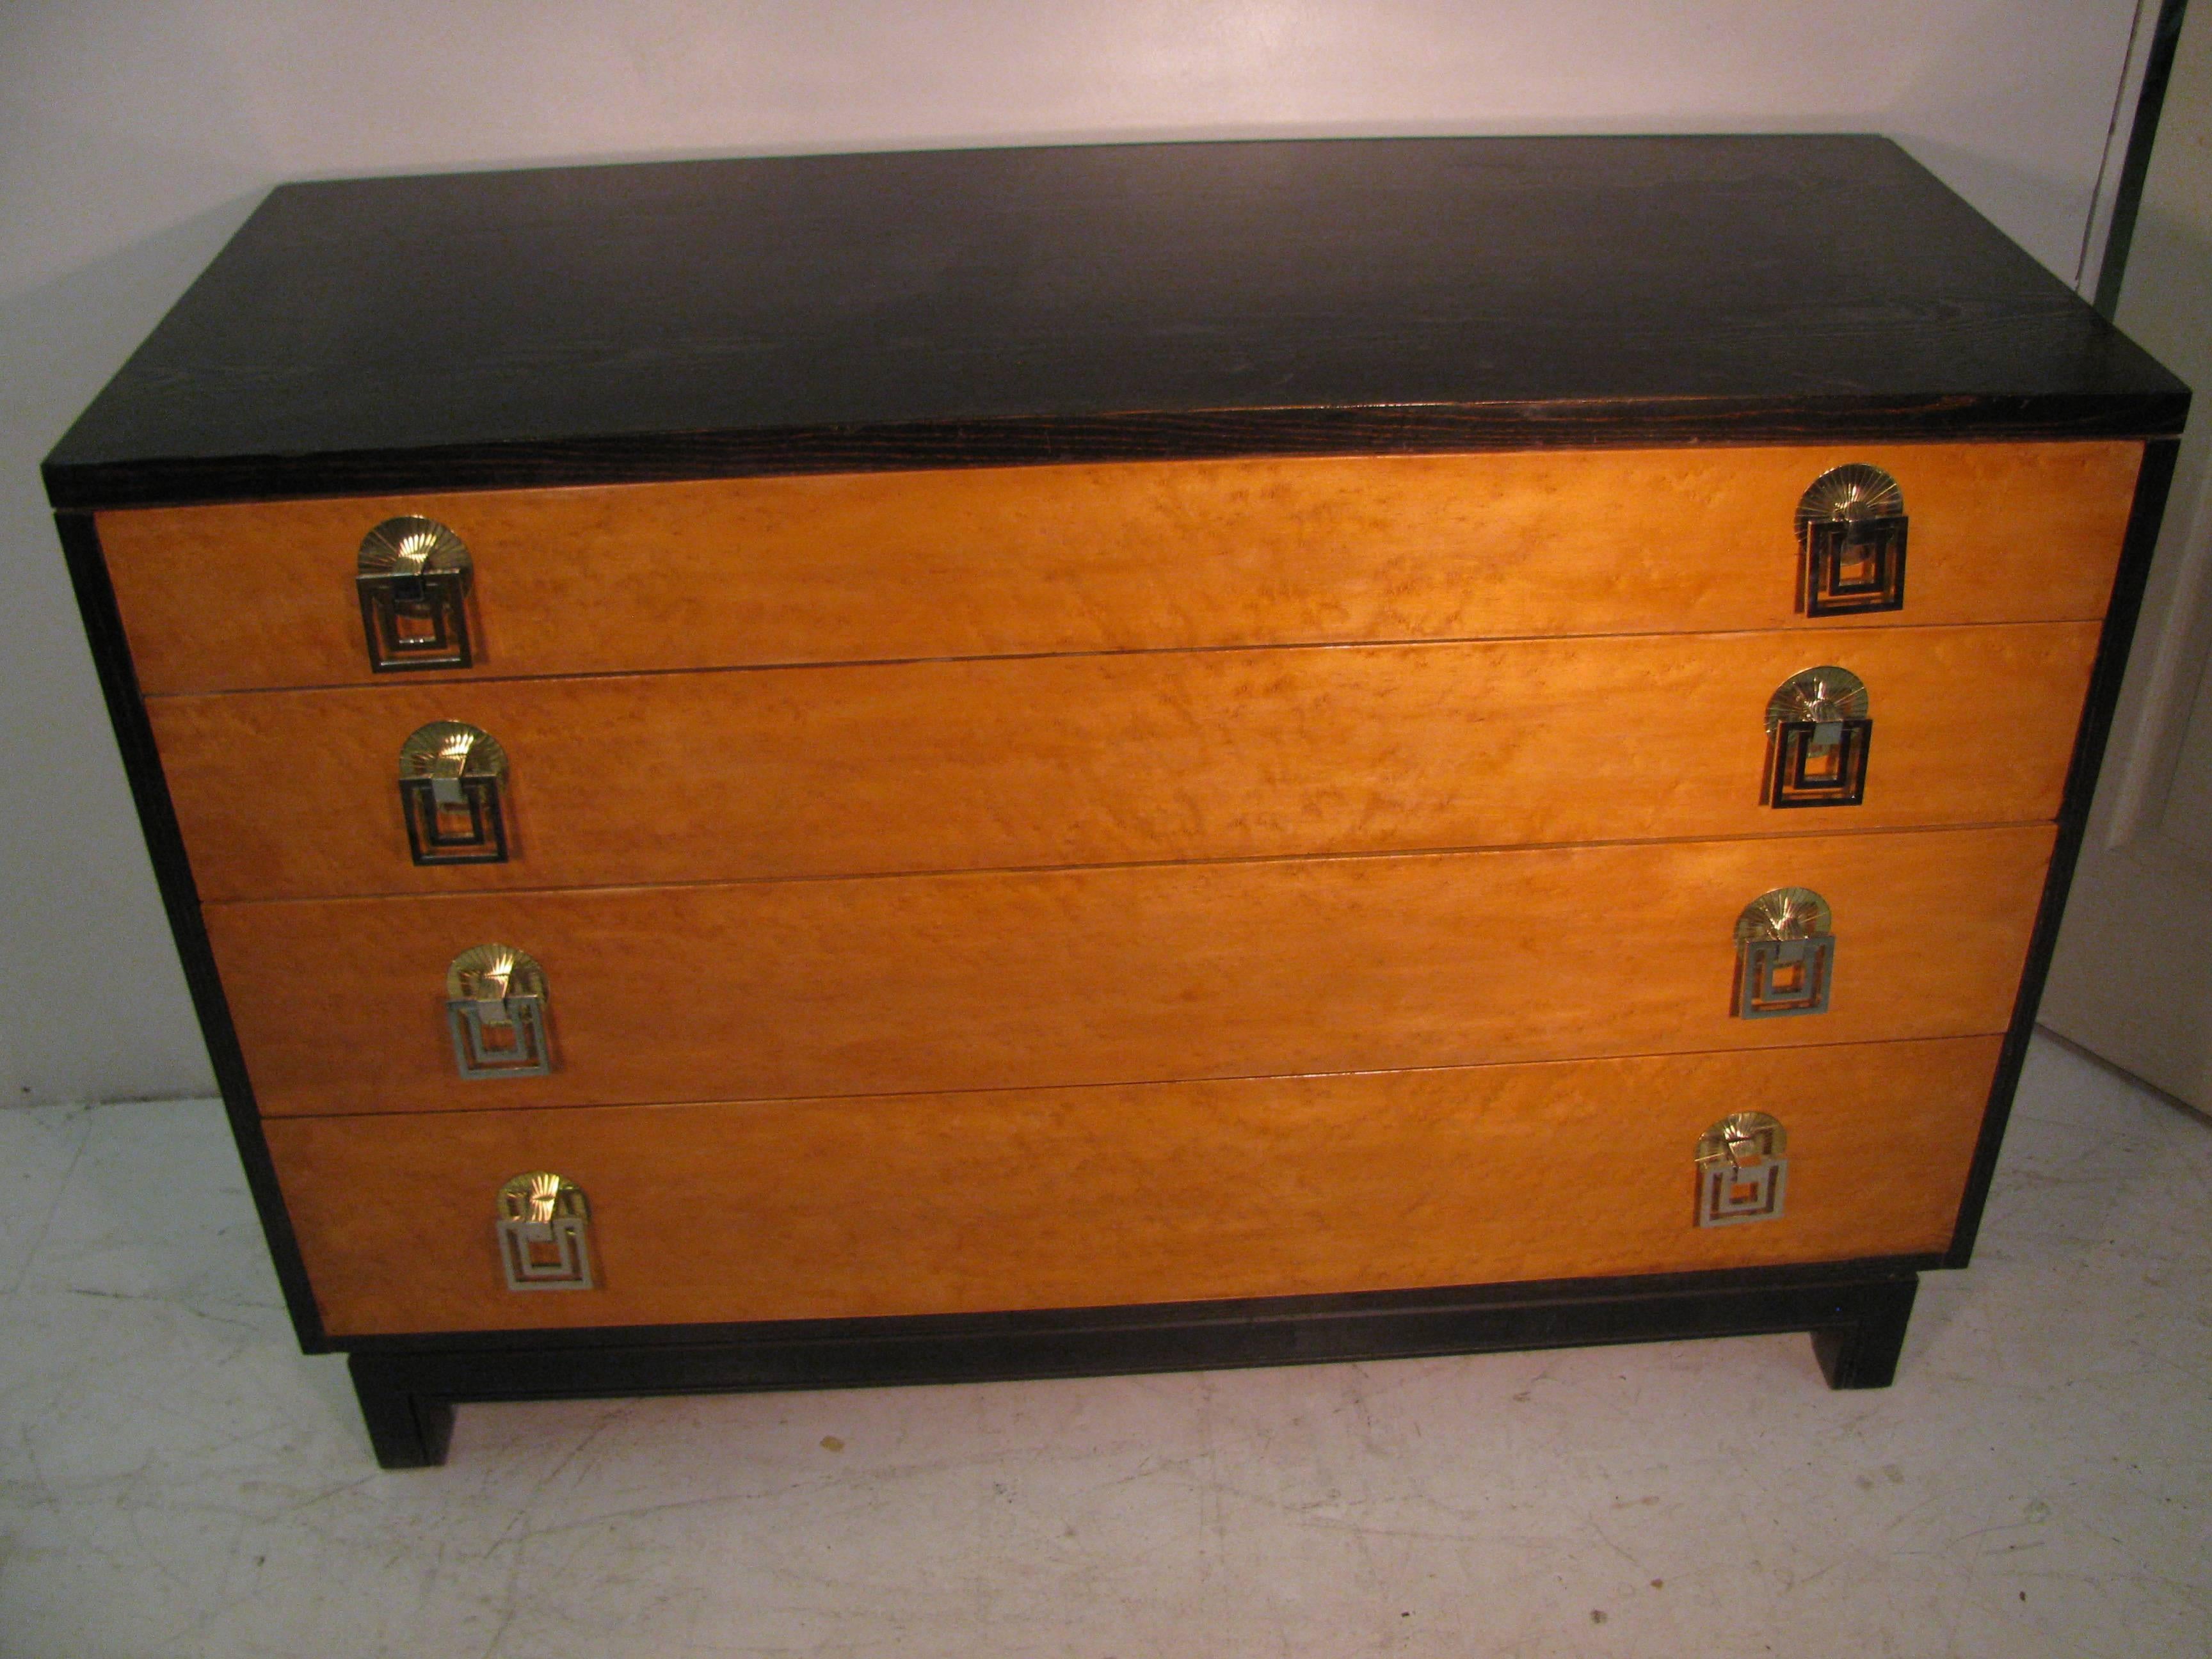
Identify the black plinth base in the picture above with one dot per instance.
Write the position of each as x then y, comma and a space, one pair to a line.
409, 1385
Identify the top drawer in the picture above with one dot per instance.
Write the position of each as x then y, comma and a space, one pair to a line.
871, 567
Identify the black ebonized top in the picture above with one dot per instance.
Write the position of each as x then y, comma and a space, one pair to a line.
944, 308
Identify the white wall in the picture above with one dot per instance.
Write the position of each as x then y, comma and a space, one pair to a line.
133, 137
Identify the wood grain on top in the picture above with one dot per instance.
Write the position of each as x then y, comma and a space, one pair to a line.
844, 313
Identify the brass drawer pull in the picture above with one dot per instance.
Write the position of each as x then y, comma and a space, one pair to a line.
495, 1009
413, 578
1785, 954
1820, 726
1850, 542
544, 1224
1742, 1167
451, 777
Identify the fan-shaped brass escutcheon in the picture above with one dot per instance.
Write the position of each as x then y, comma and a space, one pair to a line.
542, 1224
453, 779
1742, 1164
1819, 726
1785, 954
495, 1011
413, 578
1850, 542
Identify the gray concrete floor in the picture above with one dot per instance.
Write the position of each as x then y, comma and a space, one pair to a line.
176, 1480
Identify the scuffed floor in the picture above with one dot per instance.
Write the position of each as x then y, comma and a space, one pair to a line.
176, 1480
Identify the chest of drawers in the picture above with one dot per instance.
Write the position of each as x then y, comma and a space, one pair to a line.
872, 769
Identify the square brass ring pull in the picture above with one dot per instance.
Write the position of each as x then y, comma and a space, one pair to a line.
543, 1227
413, 579
1742, 1166
1785, 954
1820, 726
495, 1010
1850, 542
451, 779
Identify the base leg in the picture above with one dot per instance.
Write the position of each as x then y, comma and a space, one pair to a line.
407, 1431
1862, 1354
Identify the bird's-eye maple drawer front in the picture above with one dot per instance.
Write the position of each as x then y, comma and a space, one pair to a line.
1139, 973
1145, 556
1110, 758
1085, 1197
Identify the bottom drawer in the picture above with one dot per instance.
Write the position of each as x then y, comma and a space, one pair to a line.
1151, 1193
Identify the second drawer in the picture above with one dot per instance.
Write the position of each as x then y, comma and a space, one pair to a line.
1114, 759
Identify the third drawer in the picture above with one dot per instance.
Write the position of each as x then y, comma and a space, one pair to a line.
767, 989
